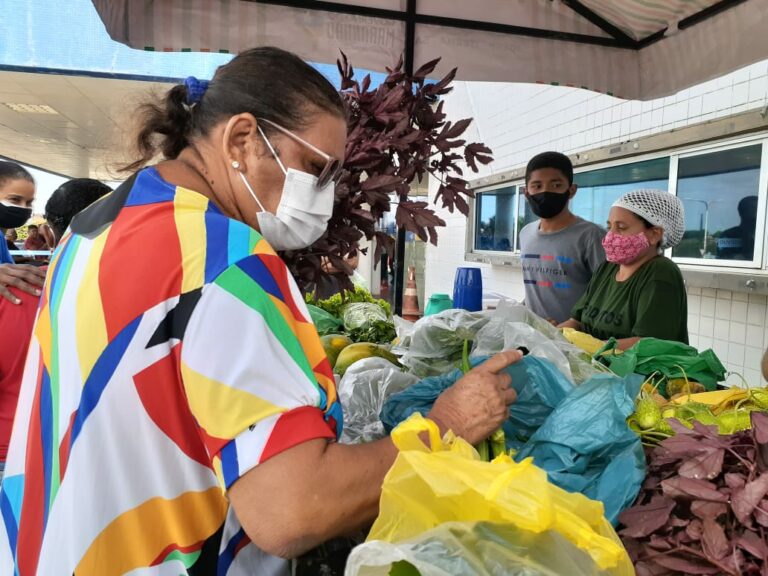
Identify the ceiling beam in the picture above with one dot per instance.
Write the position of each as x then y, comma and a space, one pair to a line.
460, 23
600, 22
721, 6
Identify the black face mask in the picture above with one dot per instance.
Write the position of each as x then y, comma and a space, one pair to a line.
13, 216
548, 204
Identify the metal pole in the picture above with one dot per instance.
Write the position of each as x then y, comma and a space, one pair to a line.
410, 39
706, 228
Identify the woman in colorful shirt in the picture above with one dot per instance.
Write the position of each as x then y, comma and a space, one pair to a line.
178, 414
638, 292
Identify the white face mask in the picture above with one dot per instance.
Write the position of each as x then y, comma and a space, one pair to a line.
303, 213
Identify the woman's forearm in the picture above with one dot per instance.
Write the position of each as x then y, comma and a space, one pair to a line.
627, 343
311, 493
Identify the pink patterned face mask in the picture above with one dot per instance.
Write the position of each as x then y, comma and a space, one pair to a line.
624, 249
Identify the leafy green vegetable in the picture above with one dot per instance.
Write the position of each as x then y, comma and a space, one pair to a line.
335, 303
403, 568
377, 332
465, 365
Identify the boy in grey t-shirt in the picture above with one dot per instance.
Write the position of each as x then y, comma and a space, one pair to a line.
560, 252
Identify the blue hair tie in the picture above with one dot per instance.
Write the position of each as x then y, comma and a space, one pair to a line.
195, 89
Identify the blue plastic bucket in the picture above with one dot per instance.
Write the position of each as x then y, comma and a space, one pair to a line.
468, 289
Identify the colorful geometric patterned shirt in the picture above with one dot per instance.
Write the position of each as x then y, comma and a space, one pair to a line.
155, 379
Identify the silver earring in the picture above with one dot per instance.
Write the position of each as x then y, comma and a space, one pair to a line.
235, 164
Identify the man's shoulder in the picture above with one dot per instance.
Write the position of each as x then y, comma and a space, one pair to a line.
530, 228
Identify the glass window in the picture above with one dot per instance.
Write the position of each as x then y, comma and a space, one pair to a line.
524, 215
599, 189
495, 220
719, 191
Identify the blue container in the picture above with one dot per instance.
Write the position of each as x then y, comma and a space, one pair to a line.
468, 289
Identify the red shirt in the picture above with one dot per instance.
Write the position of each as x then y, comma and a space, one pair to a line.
36, 243
16, 323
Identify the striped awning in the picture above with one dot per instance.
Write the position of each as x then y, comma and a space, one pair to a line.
635, 49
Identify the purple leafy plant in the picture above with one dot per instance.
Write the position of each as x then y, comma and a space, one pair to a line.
703, 508
398, 135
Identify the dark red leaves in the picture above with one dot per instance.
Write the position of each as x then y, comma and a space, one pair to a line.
745, 499
645, 520
709, 465
708, 510
398, 137
713, 540
703, 508
690, 489
680, 565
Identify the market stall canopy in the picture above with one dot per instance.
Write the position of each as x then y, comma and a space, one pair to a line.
632, 49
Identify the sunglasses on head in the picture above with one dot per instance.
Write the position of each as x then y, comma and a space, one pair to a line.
332, 167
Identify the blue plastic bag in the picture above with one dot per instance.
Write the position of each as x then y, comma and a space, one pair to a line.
539, 385
586, 446
578, 435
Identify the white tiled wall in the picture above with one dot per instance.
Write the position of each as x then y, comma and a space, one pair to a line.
520, 120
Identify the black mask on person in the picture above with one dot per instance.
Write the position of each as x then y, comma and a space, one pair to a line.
13, 216
548, 204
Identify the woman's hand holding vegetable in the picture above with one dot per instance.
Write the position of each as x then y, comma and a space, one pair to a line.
478, 403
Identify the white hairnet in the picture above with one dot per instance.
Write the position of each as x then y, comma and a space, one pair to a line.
661, 209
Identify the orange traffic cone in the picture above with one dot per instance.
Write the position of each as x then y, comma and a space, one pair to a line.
411, 297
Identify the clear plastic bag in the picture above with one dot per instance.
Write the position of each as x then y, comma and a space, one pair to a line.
358, 314
404, 329
437, 341
513, 325
473, 549
365, 387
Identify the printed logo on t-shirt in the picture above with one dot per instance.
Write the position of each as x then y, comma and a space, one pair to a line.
547, 257
543, 270
596, 315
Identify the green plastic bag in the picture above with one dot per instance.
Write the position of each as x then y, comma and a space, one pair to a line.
325, 322
672, 359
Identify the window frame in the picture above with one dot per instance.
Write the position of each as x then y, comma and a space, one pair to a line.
759, 263
473, 213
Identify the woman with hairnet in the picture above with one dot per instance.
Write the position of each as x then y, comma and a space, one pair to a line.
638, 292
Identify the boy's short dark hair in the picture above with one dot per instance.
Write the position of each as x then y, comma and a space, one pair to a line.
70, 198
32, 227
554, 160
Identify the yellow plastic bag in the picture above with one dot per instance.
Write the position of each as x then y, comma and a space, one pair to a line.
586, 342
448, 482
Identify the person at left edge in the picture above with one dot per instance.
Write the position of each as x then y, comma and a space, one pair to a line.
17, 194
16, 321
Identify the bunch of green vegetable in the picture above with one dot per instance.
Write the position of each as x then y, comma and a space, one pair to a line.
728, 409
378, 331
335, 303
356, 313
